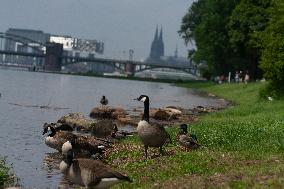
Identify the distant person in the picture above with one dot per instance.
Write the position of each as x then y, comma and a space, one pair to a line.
216, 79
237, 77
222, 78
241, 76
246, 80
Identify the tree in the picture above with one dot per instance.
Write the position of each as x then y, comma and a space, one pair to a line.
272, 42
205, 23
248, 19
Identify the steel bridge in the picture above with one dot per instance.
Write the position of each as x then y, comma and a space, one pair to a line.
24, 52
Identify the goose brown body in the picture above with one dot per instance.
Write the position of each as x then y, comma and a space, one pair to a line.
151, 135
58, 139
92, 173
87, 144
88, 172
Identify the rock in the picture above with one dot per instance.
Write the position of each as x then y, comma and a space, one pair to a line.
128, 120
108, 113
103, 128
161, 115
77, 121
165, 113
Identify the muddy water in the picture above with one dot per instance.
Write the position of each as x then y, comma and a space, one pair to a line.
21, 119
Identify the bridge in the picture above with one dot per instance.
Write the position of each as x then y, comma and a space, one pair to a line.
24, 52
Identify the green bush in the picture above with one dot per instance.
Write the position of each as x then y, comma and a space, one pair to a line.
272, 58
4, 173
276, 91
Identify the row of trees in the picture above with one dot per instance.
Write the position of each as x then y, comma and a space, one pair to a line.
232, 35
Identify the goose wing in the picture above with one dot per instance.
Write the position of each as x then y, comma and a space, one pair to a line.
65, 136
93, 141
163, 131
98, 170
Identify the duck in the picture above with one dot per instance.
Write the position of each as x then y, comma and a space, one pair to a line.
118, 134
187, 141
151, 135
104, 101
86, 172
85, 144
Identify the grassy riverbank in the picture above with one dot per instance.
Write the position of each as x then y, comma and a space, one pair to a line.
243, 147
5, 177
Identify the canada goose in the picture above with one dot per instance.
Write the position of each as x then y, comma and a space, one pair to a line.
185, 140
151, 135
58, 126
88, 172
104, 101
56, 139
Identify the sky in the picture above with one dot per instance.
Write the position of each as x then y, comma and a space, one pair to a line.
120, 24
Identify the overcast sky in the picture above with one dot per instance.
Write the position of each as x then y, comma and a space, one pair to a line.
121, 24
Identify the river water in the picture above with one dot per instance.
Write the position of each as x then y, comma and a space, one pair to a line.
21, 121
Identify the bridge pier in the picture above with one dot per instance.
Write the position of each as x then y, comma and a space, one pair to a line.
130, 69
53, 59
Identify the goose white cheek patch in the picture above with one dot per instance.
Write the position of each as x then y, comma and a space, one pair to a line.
143, 99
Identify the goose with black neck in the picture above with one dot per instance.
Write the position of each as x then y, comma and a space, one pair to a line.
151, 135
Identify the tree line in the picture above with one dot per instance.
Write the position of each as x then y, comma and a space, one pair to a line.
232, 35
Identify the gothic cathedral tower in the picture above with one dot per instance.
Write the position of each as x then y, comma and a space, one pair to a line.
157, 46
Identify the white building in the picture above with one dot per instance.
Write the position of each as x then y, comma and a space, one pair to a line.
67, 41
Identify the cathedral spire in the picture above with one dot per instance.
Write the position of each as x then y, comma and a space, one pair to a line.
161, 34
156, 34
161, 43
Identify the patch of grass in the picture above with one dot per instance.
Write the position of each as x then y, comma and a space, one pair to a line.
242, 147
6, 178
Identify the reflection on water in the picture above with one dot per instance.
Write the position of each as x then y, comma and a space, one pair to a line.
21, 127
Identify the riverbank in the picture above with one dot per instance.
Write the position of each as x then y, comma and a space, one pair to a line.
243, 147
134, 78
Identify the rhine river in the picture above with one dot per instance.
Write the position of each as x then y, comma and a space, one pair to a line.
21, 140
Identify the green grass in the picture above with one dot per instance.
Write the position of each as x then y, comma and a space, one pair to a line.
243, 147
4, 173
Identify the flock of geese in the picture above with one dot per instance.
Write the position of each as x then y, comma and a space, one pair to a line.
92, 172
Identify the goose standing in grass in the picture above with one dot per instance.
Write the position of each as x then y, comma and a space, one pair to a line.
104, 101
185, 140
56, 139
151, 135
88, 172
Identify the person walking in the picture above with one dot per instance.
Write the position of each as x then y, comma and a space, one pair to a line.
237, 77
246, 80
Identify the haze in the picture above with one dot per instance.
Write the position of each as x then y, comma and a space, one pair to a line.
121, 24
